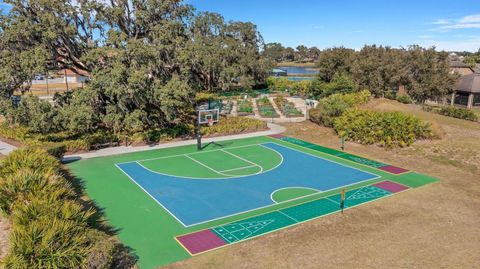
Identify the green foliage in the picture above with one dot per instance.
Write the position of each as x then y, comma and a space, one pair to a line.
405, 99
389, 129
245, 106
265, 108
29, 158
457, 112
288, 108
333, 106
52, 227
234, 125
36, 114
18, 187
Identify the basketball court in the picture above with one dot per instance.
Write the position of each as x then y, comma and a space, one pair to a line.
173, 203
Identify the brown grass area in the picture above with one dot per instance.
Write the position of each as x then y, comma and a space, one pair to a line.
436, 226
41, 89
4, 232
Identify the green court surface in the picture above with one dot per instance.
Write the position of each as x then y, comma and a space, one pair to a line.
156, 235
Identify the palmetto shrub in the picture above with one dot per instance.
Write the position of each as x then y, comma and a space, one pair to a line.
34, 158
20, 186
389, 129
53, 227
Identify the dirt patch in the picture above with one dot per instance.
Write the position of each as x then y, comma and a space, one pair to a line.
435, 226
4, 232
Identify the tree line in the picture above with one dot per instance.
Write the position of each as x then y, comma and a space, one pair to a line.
278, 53
147, 59
424, 72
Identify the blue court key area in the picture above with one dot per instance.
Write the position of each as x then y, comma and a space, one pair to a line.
195, 201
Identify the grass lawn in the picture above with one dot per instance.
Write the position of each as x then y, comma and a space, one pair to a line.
434, 226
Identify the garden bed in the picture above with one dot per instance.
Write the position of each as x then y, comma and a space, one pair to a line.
245, 107
266, 108
287, 108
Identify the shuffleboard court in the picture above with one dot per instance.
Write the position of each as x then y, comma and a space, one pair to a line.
173, 203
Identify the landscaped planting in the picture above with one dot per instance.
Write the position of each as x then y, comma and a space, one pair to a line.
234, 125
388, 129
266, 108
287, 108
52, 225
244, 107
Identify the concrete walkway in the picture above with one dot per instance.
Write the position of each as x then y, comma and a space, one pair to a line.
6, 148
274, 129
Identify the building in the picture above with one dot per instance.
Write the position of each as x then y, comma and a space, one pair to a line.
73, 75
278, 73
467, 92
461, 68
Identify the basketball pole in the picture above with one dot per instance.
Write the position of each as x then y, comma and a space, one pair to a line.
198, 133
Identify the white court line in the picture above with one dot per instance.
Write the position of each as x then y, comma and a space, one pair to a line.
280, 211
243, 159
190, 153
206, 166
333, 201
257, 208
294, 187
240, 168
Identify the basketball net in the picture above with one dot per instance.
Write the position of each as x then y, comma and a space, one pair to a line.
210, 122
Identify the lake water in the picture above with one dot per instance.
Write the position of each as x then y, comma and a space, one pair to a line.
300, 78
299, 70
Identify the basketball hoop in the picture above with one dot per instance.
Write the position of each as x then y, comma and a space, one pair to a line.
210, 122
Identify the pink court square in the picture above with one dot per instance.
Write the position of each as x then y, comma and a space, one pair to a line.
390, 186
201, 241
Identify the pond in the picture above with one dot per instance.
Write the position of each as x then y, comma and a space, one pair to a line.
299, 70
300, 78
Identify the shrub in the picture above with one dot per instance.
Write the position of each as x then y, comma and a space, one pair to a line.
33, 158
17, 187
52, 227
405, 99
460, 113
333, 106
234, 125
389, 129
56, 150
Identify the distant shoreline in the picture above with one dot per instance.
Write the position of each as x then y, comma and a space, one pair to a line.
294, 64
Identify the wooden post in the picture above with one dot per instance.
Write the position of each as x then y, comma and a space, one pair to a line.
470, 101
453, 99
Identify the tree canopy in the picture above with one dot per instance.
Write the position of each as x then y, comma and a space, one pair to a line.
146, 59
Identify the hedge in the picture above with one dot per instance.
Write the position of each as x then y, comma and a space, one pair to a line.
388, 129
459, 113
52, 225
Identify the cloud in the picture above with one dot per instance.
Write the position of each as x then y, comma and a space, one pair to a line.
466, 22
471, 44
441, 22
471, 19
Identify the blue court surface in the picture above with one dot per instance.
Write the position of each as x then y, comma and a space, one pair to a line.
198, 200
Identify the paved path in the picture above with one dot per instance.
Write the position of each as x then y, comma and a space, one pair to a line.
274, 129
6, 148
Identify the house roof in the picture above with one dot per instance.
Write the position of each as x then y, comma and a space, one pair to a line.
469, 83
458, 64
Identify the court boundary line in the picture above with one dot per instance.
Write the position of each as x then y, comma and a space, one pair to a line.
240, 168
262, 207
293, 224
229, 177
189, 153
343, 153
243, 159
204, 165
295, 187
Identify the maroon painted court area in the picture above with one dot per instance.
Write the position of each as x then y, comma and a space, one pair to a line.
201, 241
390, 186
393, 169
277, 136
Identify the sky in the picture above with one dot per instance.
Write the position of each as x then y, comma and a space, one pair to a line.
452, 25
